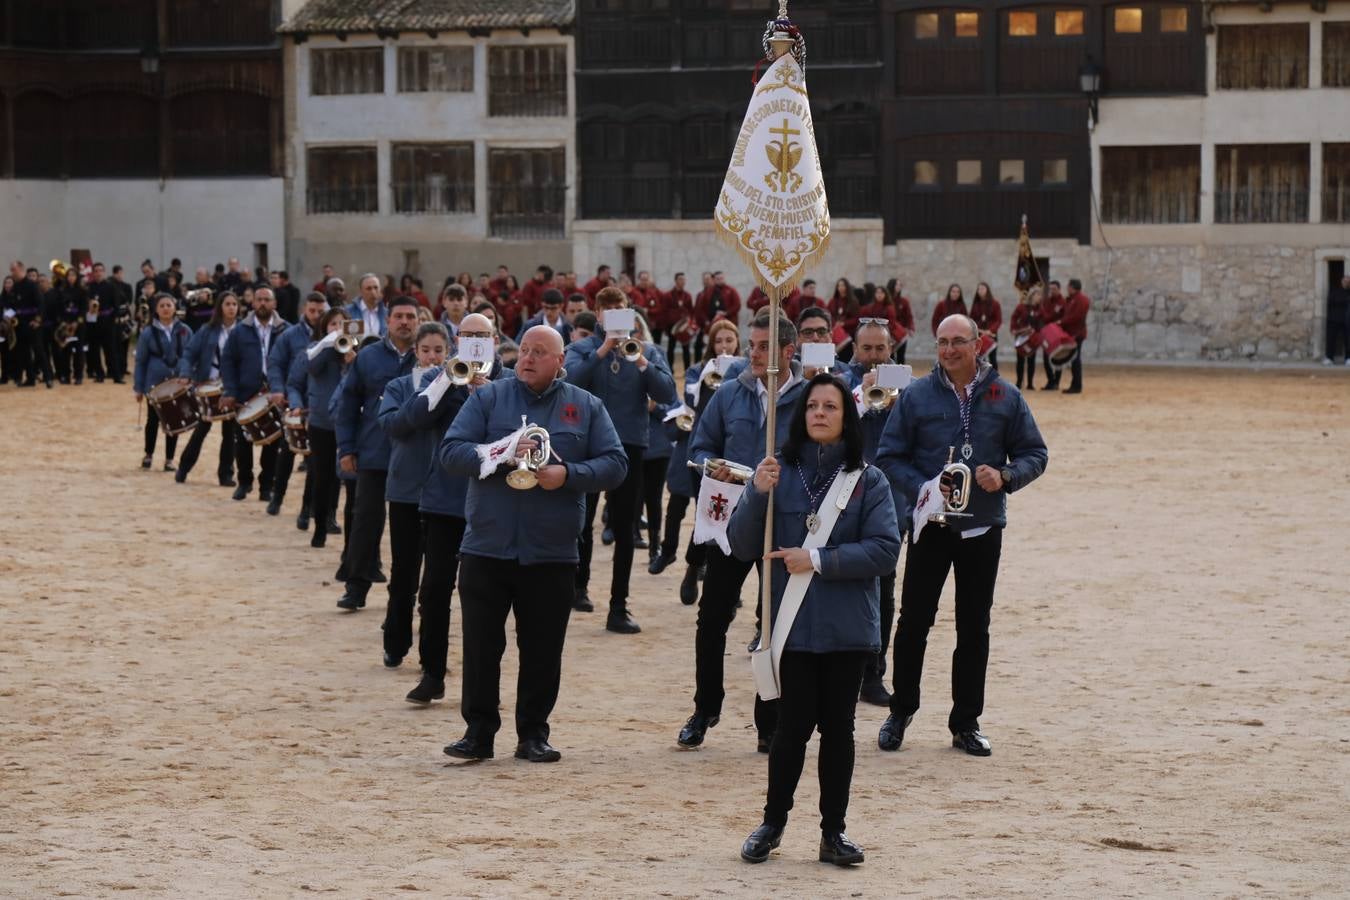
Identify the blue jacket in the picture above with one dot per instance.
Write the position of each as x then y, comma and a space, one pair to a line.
157, 356
731, 426
316, 381
532, 526
241, 365
295, 383
203, 352
841, 610
679, 477
660, 443
357, 422
737, 366
625, 392
444, 494
414, 433
926, 420
356, 310
293, 341
538, 319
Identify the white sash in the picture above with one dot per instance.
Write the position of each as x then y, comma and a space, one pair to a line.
764, 662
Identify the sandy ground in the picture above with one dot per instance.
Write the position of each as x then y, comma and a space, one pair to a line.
184, 712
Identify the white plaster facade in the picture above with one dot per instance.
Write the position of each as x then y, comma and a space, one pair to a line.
202, 221
428, 245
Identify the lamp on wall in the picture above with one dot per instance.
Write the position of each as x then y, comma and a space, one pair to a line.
150, 60
1090, 82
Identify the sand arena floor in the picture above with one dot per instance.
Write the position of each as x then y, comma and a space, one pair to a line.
183, 712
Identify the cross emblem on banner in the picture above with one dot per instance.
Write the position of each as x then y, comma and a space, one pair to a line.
784, 155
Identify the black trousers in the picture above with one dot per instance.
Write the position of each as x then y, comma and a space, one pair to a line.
993, 359
685, 349
622, 503
323, 466
818, 691
1075, 365
653, 489
281, 469
937, 552
267, 459
1338, 332
70, 360
229, 433
1027, 364
405, 566
152, 434
876, 664
365, 531
716, 611
32, 354
900, 353
440, 565
105, 357
541, 600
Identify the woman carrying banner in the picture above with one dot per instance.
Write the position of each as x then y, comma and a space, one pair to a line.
835, 527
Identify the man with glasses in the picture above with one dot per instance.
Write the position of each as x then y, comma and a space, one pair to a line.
963, 407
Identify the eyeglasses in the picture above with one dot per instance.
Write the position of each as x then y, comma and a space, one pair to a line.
814, 332
475, 334
954, 343
869, 320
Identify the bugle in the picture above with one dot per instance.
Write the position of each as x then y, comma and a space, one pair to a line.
526, 474
878, 398
959, 480
739, 473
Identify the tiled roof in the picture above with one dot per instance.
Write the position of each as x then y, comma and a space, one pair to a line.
356, 16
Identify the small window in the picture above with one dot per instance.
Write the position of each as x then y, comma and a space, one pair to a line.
1012, 171
433, 178
1054, 171
926, 173
341, 180
1021, 24
426, 69
527, 81
1173, 20
353, 71
968, 171
926, 26
526, 193
967, 24
1068, 22
1129, 20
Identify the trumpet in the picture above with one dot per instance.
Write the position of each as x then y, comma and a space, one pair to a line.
462, 371
59, 270
685, 421
354, 337
526, 474
65, 333
958, 497
631, 349
739, 473
712, 379
878, 398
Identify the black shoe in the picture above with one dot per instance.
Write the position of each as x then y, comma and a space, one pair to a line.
241, 492
838, 849
226, 482
892, 733
304, 465
391, 661
274, 506
537, 750
332, 526
24, 384
763, 743
427, 689
169, 466
972, 742
1074, 389
607, 536
119, 381
659, 563
640, 542
689, 586
379, 577
147, 462
180, 476
620, 622
875, 693
761, 842
754, 643
351, 602
1030, 386
49, 385
581, 601
265, 495
469, 748
302, 521
318, 540
691, 735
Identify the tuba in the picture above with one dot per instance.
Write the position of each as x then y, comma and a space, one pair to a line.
526, 474
878, 398
739, 473
462, 371
958, 476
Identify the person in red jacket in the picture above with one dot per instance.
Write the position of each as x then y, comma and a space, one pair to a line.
651, 302
679, 306
790, 306
904, 312
532, 294
883, 306
498, 282
1052, 310
952, 304
602, 280
1026, 320
842, 303
1074, 321
988, 316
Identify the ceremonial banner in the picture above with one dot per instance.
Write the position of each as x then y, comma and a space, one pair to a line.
1028, 273
772, 208
716, 501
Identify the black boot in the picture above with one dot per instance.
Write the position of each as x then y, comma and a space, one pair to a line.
689, 586
761, 842
619, 621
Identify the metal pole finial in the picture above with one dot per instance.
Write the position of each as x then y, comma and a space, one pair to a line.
782, 9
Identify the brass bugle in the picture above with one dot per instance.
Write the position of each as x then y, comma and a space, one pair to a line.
462, 371
526, 474
711, 377
739, 473
685, 421
877, 397
958, 495
631, 349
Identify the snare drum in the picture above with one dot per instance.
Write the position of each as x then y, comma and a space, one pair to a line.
173, 403
260, 421
988, 343
1058, 345
297, 432
209, 397
1026, 344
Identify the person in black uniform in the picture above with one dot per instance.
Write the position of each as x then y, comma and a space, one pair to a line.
30, 350
106, 359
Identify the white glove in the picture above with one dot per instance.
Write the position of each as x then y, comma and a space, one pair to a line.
436, 390
9, 313
329, 340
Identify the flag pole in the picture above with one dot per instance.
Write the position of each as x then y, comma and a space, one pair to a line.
779, 44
